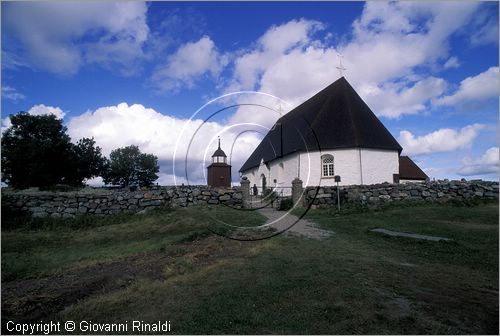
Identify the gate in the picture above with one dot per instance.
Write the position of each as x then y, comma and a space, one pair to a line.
268, 198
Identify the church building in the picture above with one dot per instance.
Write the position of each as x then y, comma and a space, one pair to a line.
333, 133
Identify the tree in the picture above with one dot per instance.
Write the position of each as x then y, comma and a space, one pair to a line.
87, 161
128, 166
36, 151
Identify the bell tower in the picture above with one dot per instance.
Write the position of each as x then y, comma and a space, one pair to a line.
219, 172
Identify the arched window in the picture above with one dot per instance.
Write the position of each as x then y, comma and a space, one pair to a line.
327, 167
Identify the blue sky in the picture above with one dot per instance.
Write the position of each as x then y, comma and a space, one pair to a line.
135, 73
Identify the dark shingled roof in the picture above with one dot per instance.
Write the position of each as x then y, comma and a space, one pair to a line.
408, 170
219, 152
336, 117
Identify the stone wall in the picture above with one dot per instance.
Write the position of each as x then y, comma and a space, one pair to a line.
115, 201
438, 191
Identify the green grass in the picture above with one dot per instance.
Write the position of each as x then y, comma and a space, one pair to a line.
41, 247
356, 281
474, 231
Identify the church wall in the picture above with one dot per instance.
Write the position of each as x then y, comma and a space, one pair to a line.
346, 164
378, 167
283, 170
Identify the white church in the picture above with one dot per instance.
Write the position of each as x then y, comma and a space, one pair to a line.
333, 133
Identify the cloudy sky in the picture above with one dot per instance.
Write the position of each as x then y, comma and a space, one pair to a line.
171, 77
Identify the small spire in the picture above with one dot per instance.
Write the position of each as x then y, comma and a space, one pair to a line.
219, 141
341, 67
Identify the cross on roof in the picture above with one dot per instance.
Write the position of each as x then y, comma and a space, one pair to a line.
340, 67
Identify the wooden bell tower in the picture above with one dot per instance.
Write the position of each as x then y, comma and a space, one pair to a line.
219, 172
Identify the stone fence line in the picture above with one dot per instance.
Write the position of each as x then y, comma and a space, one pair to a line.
114, 201
438, 191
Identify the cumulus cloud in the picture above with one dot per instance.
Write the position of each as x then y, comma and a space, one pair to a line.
474, 88
284, 54
390, 40
59, 37
191, 61
486, 164
39, 109
394, 100
269, 50
399, 36
183, 144
442, 140
11, 93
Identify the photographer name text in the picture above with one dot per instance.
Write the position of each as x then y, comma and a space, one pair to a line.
87, 327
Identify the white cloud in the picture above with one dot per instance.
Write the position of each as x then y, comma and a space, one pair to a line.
486, 164
165, 136
394, 100
452, 62
40, 109
475, 88
276, 43
389, 42
62, 36
6, 123
397, 36
284, 54
11, 93
484, 27
191, 61
442, 140
258, 109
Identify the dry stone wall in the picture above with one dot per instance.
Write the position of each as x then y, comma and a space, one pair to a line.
115, 201
437, 191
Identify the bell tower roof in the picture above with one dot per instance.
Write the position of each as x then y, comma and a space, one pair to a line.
219, 152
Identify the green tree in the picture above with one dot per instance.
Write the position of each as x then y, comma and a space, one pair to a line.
36, 151
87, 161
128, 166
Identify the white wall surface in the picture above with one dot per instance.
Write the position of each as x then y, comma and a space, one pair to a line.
355, 166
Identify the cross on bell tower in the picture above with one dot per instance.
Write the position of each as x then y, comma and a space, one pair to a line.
219, 172
340, 67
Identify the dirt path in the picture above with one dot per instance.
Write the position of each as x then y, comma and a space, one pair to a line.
282, 221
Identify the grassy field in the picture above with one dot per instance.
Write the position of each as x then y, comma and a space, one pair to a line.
166, 265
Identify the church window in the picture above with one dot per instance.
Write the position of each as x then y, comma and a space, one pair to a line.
327, 166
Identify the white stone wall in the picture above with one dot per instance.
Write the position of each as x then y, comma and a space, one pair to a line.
346, 164
378, 166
